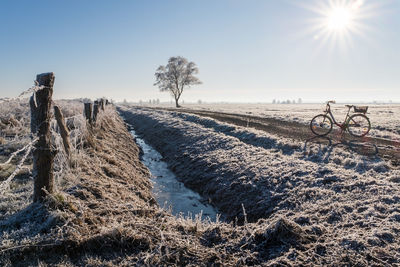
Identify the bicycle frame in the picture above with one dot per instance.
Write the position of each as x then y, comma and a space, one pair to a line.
341, 125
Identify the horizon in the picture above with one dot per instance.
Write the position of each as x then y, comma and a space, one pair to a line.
246, 52
144, 102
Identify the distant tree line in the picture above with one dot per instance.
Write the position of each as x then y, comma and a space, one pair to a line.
150, 101
288, 101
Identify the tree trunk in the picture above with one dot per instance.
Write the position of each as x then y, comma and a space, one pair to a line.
40, 103
176, 102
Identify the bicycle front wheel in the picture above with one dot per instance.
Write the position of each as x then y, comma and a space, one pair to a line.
358, 125
321, 125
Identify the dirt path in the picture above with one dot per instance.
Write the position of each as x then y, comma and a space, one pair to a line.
368, 146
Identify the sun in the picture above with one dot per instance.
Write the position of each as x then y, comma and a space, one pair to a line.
339, 23
340, 18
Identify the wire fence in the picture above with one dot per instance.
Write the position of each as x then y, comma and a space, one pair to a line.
16, 133
32, 89
4, 186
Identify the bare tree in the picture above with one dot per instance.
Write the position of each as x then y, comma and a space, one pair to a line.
177, 75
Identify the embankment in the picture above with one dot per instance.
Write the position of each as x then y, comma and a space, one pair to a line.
349, 200
105, 215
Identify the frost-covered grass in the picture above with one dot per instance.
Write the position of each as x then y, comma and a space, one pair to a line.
17, 184
296, 204
385, 118
350, 201
108, 217
14, 120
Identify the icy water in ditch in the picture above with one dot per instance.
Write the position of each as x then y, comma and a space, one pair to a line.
168, 191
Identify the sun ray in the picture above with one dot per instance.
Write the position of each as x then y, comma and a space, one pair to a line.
338, 23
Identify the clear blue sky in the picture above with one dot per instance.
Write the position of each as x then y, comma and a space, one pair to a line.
247, 51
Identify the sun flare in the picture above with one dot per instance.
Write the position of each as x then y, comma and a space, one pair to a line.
339, 22
339, 18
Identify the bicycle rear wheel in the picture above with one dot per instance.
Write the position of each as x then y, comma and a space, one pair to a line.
321, 125
358, 125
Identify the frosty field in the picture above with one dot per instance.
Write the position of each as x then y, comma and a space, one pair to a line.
284, 201
351, 201
384, 118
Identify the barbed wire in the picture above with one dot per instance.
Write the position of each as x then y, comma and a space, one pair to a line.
28, 148
18, 151
5, 184
32, 89
61, 162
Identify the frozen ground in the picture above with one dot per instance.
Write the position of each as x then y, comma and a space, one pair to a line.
304, 203
105, 215
385, 119
350, 201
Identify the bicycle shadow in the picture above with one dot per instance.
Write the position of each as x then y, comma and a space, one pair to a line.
323, 146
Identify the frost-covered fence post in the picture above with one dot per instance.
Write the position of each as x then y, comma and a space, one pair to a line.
88, 112
102, 102
95, 110
63, 130
40, 103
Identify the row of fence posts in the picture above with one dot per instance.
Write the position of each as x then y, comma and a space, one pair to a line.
43, 153
92, 110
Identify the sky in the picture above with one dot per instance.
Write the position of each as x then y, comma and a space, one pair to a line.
246, 50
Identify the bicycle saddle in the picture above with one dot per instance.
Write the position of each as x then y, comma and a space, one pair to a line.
349, 106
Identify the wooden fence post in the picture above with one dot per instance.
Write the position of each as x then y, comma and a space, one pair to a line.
40, 103
88, 112
95, 110
63, 130
102, 102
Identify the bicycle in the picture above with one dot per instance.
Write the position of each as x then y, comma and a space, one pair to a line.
357, 125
